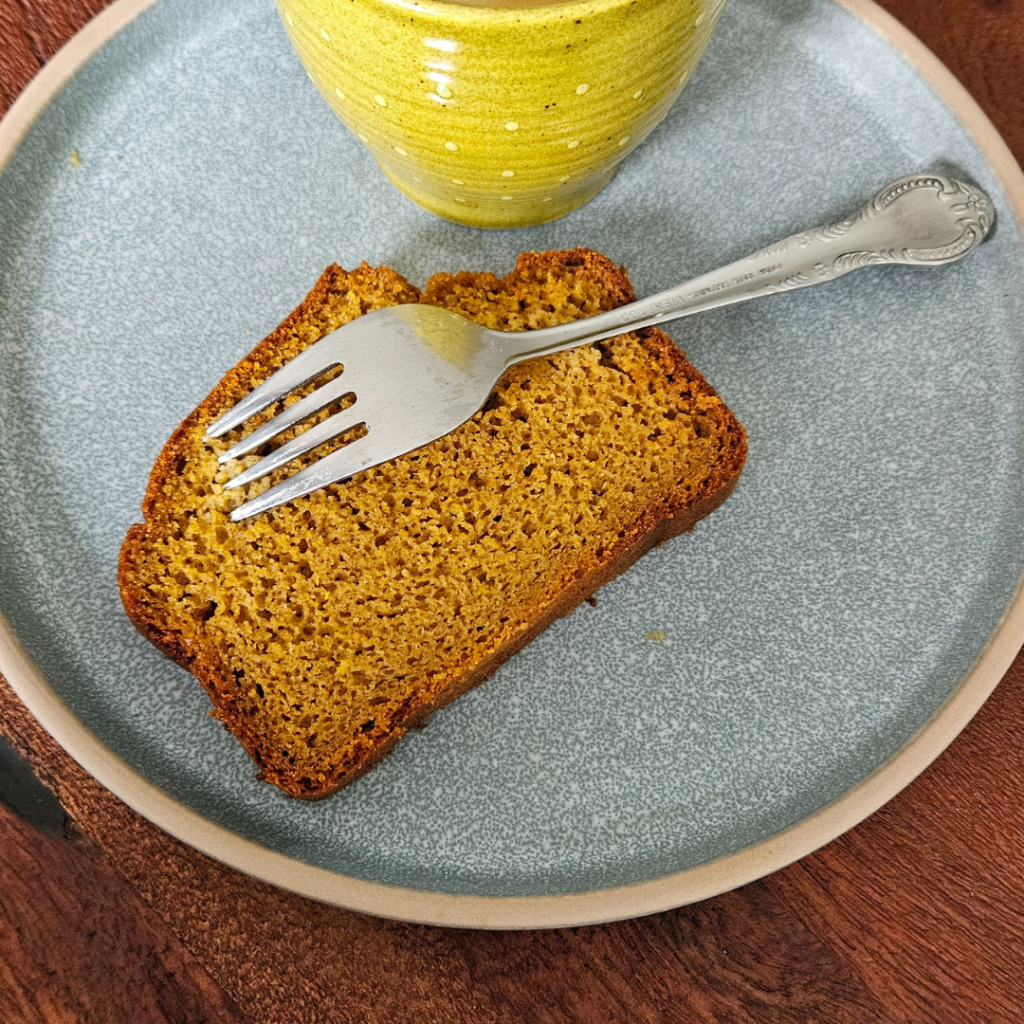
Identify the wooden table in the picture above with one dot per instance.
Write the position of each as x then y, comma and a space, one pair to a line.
916, 915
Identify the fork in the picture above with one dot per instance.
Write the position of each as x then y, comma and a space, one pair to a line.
418, 371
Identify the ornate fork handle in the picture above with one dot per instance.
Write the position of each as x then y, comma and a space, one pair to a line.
922, 220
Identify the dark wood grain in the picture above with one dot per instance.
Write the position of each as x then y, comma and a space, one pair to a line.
915, 916
31, 32
77, 943
926, 898
982, 43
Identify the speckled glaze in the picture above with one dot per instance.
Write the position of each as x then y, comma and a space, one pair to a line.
733, 683
500, 118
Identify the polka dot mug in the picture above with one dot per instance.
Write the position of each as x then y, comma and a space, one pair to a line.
500, 116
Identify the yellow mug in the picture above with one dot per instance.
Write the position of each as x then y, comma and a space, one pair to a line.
500, 116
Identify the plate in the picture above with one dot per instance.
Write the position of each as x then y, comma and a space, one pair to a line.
173, 186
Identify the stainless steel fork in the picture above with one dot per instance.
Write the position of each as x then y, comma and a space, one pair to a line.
418, 371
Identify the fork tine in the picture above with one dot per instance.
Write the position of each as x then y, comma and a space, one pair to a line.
337, 466
306, 366
312, 403
307, 440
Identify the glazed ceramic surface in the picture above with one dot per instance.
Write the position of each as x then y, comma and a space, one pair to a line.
184, 191
500, 118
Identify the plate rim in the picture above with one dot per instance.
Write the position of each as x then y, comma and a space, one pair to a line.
548, 911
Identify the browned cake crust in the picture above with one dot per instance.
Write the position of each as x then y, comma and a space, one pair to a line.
171, 564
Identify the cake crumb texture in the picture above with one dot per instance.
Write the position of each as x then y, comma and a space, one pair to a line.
323, 629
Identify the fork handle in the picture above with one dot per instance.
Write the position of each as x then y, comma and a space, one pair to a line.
921, 220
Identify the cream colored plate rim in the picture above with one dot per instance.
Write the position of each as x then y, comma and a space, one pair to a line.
573, 909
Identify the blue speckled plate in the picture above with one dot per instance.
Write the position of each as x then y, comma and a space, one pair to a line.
826, 632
